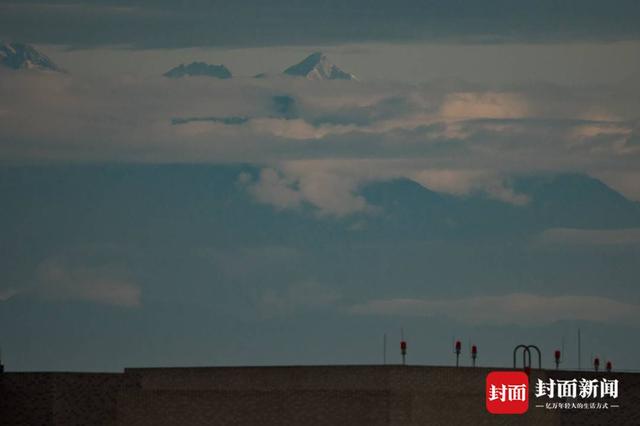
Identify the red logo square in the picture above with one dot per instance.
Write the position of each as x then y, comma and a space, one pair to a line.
507, 392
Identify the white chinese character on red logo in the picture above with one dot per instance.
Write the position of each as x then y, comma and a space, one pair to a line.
517, 392
498, 393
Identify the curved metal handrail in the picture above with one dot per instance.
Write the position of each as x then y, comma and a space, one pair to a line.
526, 356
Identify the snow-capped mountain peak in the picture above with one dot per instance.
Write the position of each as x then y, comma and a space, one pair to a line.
199, 69
318, 67
23, 56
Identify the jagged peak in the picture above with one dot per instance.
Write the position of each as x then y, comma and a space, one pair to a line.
18, 56
317, 66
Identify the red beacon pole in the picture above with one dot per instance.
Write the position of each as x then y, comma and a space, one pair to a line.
596, 363
609, 366
458, 348
474, 354
557, 356
403, 350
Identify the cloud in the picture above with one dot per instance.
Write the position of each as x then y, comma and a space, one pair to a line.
231, 262
332, 192
464, 182
58, 281
484, 105
332, 185
306, 295
7, 293
272, 188
517, 308
298, 128
590, 237
447, 138
626, 182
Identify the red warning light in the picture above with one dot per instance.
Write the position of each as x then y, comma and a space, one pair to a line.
474, 354
403, 350
557, 355
458, 347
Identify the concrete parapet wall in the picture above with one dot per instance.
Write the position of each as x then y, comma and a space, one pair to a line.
59, 398
304, 395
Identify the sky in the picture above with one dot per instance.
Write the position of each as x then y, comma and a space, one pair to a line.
479, 181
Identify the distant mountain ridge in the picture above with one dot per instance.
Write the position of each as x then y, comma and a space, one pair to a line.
229, 121
216, 203
557, 201
199, 69
282, 106
318, 67
315, 67
23, 56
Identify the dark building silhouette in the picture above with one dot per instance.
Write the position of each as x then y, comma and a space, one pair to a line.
313, 395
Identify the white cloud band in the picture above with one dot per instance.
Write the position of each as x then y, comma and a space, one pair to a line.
517, 308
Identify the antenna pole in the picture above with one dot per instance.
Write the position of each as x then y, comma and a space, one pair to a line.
579, 351
384, 349
403, 346
458, 348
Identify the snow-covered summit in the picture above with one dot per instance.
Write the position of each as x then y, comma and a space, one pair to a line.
318, 67
23, 56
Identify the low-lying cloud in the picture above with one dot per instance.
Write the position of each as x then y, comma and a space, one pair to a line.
512, 309
297, 297
590, 237
58, 281
341, 136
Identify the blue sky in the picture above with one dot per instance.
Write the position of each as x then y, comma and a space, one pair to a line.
481, 181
